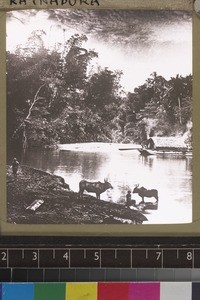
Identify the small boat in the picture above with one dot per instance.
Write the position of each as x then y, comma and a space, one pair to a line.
148, 152
125, 147
128, 148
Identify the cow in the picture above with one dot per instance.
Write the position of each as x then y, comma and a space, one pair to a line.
142, 192
93, 187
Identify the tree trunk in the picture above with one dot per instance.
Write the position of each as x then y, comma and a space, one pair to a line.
23, 124
180, 114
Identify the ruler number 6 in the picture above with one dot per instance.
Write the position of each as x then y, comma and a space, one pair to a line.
4, 256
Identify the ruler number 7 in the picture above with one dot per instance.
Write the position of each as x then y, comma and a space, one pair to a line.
158, 255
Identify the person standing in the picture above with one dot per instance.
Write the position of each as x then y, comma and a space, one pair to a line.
15, 167
129, 202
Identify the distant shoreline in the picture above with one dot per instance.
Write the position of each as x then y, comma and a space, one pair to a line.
97, 146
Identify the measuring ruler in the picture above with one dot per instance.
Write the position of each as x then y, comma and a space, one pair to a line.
58, 256
67, 257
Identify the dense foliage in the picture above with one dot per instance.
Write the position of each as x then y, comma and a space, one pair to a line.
55, 96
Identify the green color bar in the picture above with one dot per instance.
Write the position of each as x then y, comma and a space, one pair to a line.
50, 291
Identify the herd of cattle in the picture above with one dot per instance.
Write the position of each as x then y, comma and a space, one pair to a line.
99, 187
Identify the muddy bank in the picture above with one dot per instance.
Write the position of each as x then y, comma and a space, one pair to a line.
38, 197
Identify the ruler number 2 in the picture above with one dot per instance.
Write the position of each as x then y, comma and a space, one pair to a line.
4, 256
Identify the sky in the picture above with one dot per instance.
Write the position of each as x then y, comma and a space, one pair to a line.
137, 42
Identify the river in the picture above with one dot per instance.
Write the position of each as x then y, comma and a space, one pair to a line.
171, 176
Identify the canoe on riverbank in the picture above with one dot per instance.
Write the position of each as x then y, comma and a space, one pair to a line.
148, 152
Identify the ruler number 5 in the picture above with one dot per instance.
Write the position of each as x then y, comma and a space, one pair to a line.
4, 256
96, 256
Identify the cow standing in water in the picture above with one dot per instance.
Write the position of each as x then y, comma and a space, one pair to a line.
142, 192
93, 187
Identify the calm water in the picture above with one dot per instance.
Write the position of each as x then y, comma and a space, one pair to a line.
172, 177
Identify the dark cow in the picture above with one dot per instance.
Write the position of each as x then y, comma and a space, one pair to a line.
142, 192
93, 187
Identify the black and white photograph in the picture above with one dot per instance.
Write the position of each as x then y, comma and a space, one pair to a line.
99, 116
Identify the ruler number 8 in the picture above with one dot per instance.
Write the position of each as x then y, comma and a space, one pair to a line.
4, 256
189, 256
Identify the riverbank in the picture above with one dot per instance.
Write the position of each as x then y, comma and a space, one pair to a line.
38, 197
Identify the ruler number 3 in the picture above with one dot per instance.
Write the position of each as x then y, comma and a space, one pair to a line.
35, 256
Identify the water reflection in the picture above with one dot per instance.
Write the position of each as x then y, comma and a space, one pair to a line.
172, 177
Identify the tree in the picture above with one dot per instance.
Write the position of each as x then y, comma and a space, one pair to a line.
162, 107
29, 75
51, 98
75, 61
103, 91
177, 99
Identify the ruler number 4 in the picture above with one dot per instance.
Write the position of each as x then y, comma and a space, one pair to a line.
66, 256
